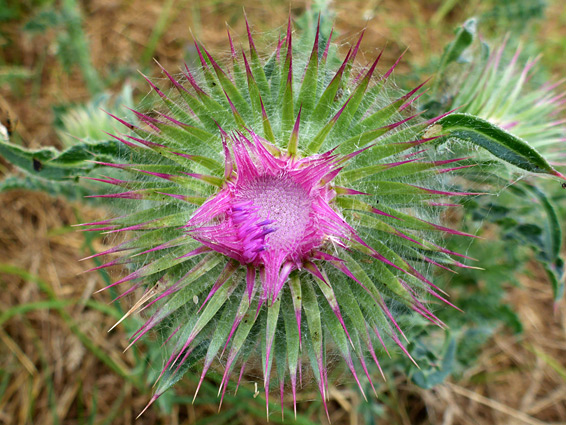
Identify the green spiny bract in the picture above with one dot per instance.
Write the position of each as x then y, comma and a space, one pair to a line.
257, 225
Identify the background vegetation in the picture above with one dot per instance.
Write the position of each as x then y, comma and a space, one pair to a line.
503, 361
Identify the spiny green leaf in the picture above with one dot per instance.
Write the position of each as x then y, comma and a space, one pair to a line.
164, 262
175, 175
159, 194
241, 335
333, 327
390, 282
384, 150
397, 192
361, 140
180, 113
69, 190
351, 107
147, 215
352, 309
374, 223
254, 93
259, 76
407, 221
52, 164
350, 176
409, 168
216, 109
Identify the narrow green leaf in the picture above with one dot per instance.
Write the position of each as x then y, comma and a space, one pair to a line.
384, 150
182, 137
159, 194
352, 309
253, 90
407, 221
181, 114
350, 176
464, 38
241, 335
163, 262
361, 140
144, 215
503, 145
390, 283
351, 107
199, 109
259, 76
397, 192
325, 103
216, 109
553, 241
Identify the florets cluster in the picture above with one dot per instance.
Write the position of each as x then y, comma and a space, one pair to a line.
274, 213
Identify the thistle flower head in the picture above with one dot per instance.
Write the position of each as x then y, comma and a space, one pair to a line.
89, 122
499, 88
257, 219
